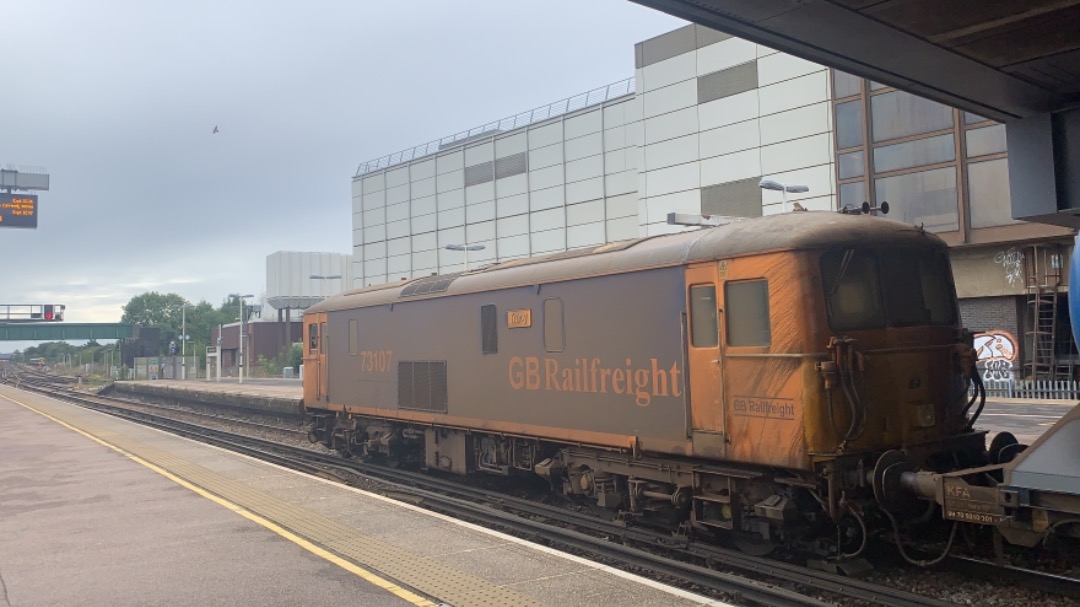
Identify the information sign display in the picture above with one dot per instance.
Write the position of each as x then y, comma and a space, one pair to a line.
18, 210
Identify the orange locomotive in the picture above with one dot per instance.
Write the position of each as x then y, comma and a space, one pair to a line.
744, 378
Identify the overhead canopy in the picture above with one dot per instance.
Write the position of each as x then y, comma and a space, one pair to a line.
1002, 59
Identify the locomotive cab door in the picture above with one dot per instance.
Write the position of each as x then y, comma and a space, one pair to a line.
315, 372
705, 358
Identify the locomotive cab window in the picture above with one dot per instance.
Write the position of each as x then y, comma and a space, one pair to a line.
873, 289
313, 337
747, 303
554, 336
703, 330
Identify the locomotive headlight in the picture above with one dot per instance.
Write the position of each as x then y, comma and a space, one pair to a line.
924, 415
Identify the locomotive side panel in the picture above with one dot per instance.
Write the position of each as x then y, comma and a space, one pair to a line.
566, 360
767, 305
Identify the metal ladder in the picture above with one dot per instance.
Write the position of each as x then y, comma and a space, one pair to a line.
1043, 273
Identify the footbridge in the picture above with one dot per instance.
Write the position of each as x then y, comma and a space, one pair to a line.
64, 331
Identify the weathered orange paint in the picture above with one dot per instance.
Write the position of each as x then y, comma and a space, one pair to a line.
315, 379
763, 391
706, 408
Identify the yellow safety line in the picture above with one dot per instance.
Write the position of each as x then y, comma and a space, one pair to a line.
368, 576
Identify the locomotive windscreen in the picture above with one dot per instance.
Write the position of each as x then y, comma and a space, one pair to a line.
877, 288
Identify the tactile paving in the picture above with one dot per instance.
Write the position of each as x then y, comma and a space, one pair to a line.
412, 570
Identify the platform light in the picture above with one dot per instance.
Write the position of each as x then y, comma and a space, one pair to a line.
466, 248
240, 337
772, 184
323, 278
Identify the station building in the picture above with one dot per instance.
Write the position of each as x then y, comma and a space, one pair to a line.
705, 118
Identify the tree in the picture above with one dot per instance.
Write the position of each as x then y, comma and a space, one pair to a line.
166, 312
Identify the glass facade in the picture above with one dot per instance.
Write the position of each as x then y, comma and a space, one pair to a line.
936, 166
988, 191
927, 198
897, 114
920, 152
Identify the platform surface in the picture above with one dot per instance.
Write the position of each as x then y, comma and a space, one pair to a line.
98, 511
282, 388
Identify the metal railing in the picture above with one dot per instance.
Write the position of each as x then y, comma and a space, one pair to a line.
1026, 388
551, 110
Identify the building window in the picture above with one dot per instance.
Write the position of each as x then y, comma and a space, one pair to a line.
554, 335
354, 337
703, 329
921, 152
985, 140
489, 339
988, 193
852, 194
845, 85
849, 124
747, 304
927, 198
850, 164
898, 114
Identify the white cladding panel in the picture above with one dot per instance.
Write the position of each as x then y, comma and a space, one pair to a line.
289, 279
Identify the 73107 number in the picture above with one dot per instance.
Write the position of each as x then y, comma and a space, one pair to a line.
376, 361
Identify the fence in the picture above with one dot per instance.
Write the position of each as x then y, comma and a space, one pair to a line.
551, 110
1026, 388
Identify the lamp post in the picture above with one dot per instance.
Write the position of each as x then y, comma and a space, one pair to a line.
183, 339
322, 284
240, 364
466, 248
770, 184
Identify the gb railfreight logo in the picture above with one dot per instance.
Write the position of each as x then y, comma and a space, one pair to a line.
591, 376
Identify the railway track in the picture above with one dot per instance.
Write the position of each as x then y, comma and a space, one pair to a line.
704, 567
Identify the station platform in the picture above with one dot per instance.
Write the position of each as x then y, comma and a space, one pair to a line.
95, 510
279, 396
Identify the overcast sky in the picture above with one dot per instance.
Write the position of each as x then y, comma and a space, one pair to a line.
118, 100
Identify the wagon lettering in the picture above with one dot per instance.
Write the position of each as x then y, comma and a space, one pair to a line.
957, 491
641, 382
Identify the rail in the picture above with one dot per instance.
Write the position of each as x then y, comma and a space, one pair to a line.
551, 110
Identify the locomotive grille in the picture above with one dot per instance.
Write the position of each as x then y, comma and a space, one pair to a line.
434, 284
422, 385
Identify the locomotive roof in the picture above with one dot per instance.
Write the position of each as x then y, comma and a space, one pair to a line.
797, 230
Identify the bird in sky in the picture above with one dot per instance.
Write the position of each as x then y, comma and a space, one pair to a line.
215, 130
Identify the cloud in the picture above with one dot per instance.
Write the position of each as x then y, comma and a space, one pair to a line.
118, 99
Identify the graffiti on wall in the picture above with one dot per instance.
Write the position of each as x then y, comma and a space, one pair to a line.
1012, 260
996, 351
